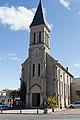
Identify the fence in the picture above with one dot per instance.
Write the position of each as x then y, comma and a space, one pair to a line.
25, 111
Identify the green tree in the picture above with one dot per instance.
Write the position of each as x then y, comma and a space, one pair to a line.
51, 102
23, 93
13, 94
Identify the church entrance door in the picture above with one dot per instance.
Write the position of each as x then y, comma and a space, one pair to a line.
35, 99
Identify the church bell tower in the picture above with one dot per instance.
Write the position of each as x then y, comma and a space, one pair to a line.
39, 31
38, 47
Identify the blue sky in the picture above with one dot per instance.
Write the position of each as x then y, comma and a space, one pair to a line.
15, 18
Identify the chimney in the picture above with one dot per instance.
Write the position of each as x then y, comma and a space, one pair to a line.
67, 68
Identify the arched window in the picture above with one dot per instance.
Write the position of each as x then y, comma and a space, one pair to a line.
33, 69
34, 38
39, 69
39, 37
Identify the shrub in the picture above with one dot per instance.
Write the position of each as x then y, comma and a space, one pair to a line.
51, 102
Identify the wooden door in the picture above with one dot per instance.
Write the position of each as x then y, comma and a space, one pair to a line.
36, 99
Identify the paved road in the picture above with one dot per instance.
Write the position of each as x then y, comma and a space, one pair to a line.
38, 117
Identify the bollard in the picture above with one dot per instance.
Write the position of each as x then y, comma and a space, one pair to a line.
20, 111
45, 111
1, 110
37, 111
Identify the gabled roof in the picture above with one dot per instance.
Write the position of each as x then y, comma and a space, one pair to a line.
38, 18
59, 65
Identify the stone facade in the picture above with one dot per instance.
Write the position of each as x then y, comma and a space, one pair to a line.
42, 74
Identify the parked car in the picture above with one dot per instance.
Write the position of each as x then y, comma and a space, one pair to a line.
3, 106
74, 105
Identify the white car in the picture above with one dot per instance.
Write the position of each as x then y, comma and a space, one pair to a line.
74, 105
3, 106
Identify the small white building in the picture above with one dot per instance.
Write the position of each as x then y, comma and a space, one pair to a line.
5, 98
2, 93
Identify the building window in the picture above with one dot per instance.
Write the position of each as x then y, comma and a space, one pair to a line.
39, 37
39, 69
34, 37
8, 100
47, 39
33, 69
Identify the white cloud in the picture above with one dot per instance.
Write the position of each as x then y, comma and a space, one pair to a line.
65, 3
17, 18
12, 56
77, 65
9, 56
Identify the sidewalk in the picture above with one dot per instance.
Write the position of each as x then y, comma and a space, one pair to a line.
67, 112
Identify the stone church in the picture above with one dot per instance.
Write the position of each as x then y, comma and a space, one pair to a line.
41, 73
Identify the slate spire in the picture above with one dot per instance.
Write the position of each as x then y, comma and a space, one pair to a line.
38, 18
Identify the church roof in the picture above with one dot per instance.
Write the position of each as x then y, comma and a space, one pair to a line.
38, 18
